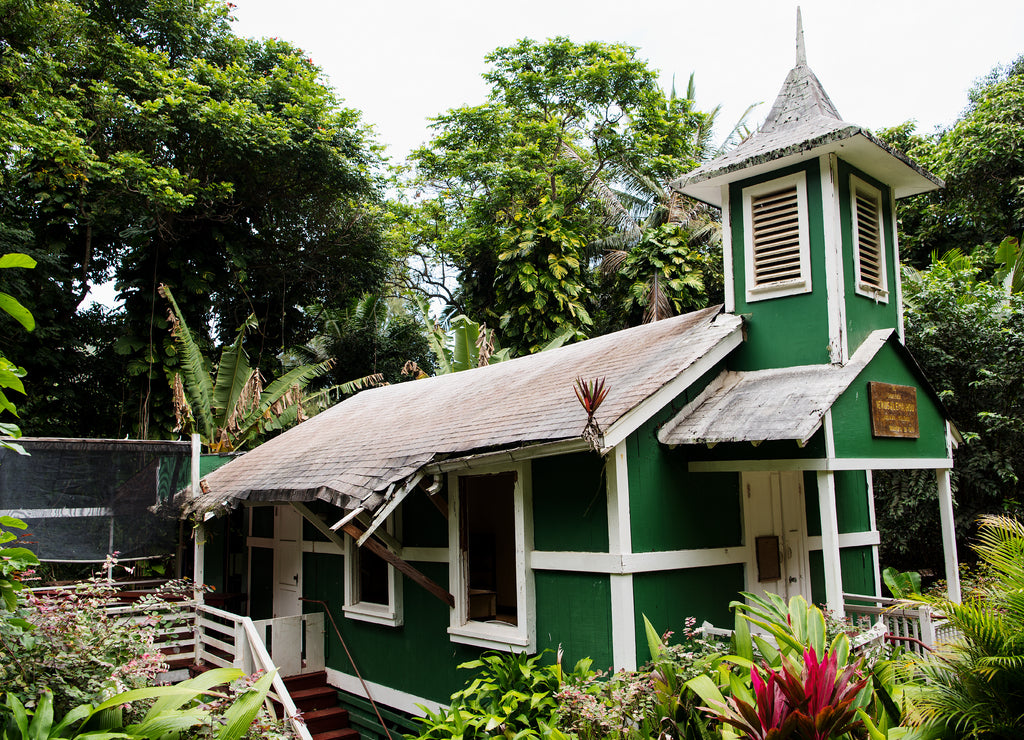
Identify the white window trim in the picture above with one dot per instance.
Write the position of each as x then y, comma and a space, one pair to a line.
494, 635
859, 286
389, 614
781, 288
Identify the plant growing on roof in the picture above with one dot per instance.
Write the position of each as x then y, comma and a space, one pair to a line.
591, 394
233, 407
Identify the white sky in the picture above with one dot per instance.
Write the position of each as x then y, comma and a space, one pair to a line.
882, 62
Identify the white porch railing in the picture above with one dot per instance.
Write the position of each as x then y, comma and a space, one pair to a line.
231, 641
917, 628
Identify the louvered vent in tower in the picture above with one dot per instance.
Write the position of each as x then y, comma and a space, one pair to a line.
869, 239
775, 218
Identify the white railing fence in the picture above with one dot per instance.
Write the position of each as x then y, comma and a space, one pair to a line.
231, 641
917, 628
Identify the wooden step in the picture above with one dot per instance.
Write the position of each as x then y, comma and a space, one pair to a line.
320, 697
346, 734
325, 720
306, 680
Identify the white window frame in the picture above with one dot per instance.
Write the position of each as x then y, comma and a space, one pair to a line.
880, 295
389, 614
494, 635
779, 288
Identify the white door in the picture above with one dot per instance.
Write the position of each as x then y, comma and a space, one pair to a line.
774, 516
287, 561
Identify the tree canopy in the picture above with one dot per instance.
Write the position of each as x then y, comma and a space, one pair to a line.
143, 142
517, 189
982, 162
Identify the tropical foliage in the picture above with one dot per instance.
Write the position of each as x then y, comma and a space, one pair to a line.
231, 408
973, 687
143, 142
10, 374
517, 186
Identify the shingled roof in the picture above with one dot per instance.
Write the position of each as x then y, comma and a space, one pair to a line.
355, 453
803, 122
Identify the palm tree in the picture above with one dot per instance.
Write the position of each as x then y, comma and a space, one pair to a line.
665, 243
974, 686
233, 406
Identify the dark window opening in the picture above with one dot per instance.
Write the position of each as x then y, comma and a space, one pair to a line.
488, 542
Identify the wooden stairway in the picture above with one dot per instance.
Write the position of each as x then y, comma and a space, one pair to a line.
318, 703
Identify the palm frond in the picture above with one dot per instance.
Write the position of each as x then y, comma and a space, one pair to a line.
195, 375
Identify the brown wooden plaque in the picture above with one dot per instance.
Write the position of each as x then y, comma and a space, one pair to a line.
893, 410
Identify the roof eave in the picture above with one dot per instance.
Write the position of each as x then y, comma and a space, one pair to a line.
852, 143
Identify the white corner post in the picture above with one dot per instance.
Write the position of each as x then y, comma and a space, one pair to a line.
830, 543
620, 542
199, 532
942, 477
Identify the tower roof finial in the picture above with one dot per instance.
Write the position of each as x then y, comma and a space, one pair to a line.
801, 52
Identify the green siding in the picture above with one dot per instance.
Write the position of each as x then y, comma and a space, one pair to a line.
570, 509
262, 521
261, 583
857, 566
863, 314
423, 525
208, 463
670, 507
574, 611
418, 657
852, 506
792, 330
667, 598
851, 415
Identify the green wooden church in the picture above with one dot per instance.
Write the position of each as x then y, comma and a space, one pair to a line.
441, 517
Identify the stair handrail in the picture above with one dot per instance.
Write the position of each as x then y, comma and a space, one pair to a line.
264, 662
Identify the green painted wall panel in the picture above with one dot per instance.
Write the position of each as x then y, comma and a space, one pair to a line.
422, 524
792, 330
570, 509
261, 583
418, 657
852, 509
262, 521
208, 463
574, 611
863, 313
851, 415
670, 507
667, 598
855, 563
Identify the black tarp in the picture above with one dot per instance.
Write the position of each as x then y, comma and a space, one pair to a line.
85, 498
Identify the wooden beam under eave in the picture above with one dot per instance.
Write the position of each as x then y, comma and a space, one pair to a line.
355, 531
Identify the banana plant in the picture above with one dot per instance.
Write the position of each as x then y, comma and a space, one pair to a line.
232, 407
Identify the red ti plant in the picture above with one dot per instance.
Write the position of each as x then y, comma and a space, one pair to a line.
816, 702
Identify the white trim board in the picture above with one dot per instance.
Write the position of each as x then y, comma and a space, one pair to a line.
637, 562
644, 411
393, 698
850, 539
842, 463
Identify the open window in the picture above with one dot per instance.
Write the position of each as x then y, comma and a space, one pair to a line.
490, 538
373, 590
868, 240
777, 242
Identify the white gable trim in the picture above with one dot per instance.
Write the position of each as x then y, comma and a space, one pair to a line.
642, 412
844, 463
835, 282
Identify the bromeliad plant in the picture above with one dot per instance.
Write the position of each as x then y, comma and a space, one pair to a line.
591, 394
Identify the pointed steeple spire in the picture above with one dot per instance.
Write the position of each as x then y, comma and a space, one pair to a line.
801, 51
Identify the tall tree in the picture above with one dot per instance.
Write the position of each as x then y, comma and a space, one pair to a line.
982, 162
144, 142
513, 184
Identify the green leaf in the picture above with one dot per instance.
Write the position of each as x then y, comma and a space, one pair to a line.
16, 259
17, 311
243, 710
